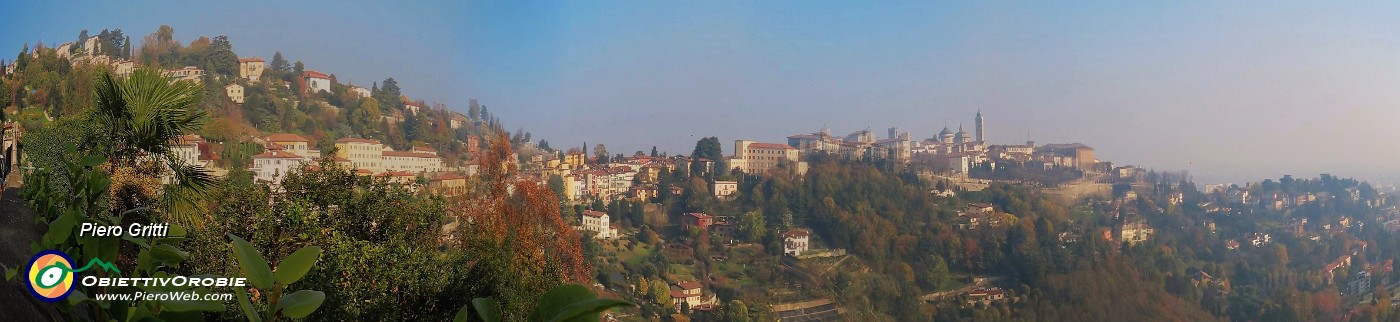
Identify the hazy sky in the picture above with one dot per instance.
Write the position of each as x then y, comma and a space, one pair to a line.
1229, 91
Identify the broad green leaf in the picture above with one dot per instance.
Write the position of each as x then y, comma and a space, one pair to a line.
62, 227
171, 240
10, 273
92, 160
246, 306
301, 303
77, 297
587, 311
462, 314
136, 240
144, 262
487, 309
554, 301
168, 255
252, 263
295, 266
176, 231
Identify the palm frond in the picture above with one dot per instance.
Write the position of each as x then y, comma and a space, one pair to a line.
183, 198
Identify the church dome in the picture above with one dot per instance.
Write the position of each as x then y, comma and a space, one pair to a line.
945, 132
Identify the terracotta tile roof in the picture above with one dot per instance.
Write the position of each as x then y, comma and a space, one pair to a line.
286, 137
187, 139
594, 214
357, 140
408, 154
314, 74
689, 285
447, 176
395, 174
796, 233
698, 215
277, 154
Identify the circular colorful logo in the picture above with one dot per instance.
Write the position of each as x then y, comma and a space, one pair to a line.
51, 275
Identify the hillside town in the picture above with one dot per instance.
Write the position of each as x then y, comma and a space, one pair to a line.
971, 227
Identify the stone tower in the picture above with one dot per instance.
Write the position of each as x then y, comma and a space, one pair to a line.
980, 130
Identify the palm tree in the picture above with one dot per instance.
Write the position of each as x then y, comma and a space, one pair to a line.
140, 116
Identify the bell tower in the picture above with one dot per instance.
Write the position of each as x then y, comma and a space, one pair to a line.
980, 130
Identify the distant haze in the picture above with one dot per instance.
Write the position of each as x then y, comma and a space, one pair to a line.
1228, 91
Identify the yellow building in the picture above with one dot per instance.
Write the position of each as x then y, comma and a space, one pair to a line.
363, 153
250, 68
755, 157
448, 184
235, 92
575, 159
295, 144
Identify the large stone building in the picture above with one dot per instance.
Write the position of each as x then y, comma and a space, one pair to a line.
411, 161
363, 153
250, 68
376, 157
1072, 155
756, 157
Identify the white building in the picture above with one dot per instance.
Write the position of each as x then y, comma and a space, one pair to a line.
796, 241
412, 107
411, 161
316, 81
597, 221
361, 91
272, 166
295, 144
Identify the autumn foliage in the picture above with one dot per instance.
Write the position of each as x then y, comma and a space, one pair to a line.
520, 216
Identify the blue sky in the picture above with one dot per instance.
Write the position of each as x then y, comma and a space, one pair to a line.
1229, 91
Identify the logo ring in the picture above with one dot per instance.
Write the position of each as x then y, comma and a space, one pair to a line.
51, 257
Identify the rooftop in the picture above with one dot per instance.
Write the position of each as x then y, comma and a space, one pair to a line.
277, 154
286, 137
314, 74
797, 233
779, 146
357, 140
